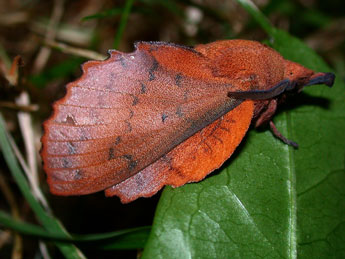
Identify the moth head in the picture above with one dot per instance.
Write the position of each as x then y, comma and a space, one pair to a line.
301, 76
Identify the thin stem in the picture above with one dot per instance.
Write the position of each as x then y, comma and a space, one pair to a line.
123, 22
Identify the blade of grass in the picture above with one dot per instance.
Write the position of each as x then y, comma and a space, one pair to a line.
27, 229
33, 230
123, 22
50, 223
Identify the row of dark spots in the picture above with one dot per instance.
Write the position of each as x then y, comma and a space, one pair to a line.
131, 163
66, 163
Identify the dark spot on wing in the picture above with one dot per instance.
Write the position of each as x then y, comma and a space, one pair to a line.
71, 148
117, 140
70, 120
152, 70
111, 154
129, 126
135, 100
66, 163
78, 174
164, 116
131, 162
143, 88
178, 79
131, 114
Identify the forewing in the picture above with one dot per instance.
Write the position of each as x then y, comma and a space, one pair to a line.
125, 113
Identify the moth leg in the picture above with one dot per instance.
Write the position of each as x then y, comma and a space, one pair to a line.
266, 116
277, 133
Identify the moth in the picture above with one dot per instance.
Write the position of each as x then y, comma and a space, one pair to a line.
164, 114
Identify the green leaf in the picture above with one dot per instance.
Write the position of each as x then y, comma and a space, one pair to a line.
319, 164
269, 200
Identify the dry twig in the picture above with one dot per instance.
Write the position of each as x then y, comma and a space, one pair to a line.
85, 53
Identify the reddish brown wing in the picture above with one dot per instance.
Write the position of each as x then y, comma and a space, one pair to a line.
125, 113
191, 160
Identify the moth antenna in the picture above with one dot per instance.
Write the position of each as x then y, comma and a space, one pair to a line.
262, 94
322, 78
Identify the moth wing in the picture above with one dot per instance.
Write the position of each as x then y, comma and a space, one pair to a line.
192, 160
125, 113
